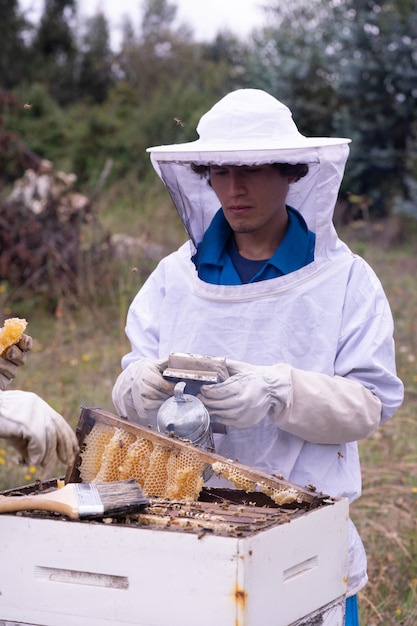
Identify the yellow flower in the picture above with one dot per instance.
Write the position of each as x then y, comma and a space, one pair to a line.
413, 489
32, 470
85, 358
3, 452
2, 461
398, 612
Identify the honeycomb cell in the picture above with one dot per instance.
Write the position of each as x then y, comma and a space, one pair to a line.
280, 496
185, 476
231, 473
92, 451
157, 475
136, 463
113, 456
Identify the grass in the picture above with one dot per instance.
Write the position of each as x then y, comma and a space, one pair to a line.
76, 360
386, 514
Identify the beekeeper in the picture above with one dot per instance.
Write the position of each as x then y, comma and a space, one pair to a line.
266, 282
30, 424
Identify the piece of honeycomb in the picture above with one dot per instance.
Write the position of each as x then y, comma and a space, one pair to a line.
136, 462
231, 473
93, 448
279, 496
157, 474
111, 454
185, 475
11, 332
114, 455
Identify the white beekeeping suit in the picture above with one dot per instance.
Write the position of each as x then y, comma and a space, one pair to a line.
320, 339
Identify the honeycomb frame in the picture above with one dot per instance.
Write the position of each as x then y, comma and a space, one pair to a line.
111, 449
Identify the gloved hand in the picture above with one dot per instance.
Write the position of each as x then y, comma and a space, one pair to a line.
35, 429
14, 358
313, 406
140, 390
251, 393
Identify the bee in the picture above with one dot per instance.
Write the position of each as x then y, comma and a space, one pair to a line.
178, 122
340, 455
312, 487
27, 106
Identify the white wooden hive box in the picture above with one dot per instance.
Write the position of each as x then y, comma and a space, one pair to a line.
215, 562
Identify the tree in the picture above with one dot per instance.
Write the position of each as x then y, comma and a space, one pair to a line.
55, 49
95, 60
157, 20
377, 93
14, 30
288, 59
349, 68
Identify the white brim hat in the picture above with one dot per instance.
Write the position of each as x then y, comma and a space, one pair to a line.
246, 126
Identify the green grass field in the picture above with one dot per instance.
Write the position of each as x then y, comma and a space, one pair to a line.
76, 360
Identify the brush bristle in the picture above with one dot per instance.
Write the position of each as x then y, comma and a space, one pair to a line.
119, 498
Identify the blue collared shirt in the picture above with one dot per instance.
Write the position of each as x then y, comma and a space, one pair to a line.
215, 265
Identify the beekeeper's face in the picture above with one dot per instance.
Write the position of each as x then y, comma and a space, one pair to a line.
252, 197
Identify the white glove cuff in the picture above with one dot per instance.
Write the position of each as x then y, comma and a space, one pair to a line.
279, 384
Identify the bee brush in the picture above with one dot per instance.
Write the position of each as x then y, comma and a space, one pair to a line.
83, 500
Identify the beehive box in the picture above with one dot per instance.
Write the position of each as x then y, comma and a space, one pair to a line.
229, 559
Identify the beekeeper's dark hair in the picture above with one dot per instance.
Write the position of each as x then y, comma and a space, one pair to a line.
298, 170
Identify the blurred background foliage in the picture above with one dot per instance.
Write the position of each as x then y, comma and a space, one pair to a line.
344, 67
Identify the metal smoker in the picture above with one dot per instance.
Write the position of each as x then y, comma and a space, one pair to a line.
186, 416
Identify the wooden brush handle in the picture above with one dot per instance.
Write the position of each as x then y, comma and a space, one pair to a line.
60, 501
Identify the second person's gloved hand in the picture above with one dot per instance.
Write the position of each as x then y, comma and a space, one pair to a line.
35, 429
14, 358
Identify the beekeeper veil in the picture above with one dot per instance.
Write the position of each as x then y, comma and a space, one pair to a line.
251, 127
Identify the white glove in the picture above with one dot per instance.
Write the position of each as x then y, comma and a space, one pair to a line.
313, 406
140, 390
35, 429
251, 393
14, 358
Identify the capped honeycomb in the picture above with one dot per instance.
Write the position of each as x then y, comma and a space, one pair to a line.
112, 454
